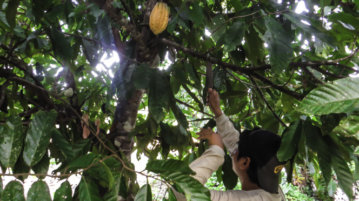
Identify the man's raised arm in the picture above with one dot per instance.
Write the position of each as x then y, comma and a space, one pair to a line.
225, 128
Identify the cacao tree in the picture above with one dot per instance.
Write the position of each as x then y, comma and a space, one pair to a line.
290, 72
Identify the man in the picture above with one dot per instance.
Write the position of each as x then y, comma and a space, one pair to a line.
253, 158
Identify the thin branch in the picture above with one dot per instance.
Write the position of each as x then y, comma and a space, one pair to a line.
326, 72
232, 18
190, 106
266, 102
203, 119
280, 88
346, 57
2, 92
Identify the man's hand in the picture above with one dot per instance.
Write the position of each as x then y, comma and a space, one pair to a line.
213, 102
212, 137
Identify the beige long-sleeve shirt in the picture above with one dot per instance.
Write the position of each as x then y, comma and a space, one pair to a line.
213, 157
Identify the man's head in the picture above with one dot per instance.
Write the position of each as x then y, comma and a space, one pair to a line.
256, 158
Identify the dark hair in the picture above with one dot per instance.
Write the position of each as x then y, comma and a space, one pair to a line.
260, 145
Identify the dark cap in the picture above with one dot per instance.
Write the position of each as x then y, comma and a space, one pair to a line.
262, 146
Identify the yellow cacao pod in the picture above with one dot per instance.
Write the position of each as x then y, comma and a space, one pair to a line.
159, 18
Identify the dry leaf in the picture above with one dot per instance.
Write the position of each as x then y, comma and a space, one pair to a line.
85, 129
98, 123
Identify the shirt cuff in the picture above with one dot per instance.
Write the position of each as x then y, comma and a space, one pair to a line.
221, 119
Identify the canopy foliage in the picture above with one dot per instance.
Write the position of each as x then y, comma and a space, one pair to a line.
287, 72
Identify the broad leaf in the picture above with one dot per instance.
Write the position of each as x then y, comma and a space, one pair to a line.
159, 94
39, 191
21, 167
82, 162
64, 193
88, 190
11, 141
234, 35
254, 46
329, 122
11, 12
289, 142
42, 166
316, 142
164, 166
279, 45
102, 173
315, 28
38, 137
178, 172
1, 187
142, 76
62, 144
230, 179
112, 194
144, 194
341, 96
181, 118
344, 175
14, 191
60, 45
348, 126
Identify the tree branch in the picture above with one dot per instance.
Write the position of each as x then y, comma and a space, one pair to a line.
190, 106
266, 102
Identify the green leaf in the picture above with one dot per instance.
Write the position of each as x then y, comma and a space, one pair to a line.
159, 94
102, 173
254, 46
1, 187
316, 142
144, 194
64, 192
329, 122
181, 118
42, 166
11, 12
39, 191
165, 166
315, 28
112, 194
38, 137
14, 191
345, 19
341, 96
178, 172
11, 141
82, 162
174, 136
90, 49
61, 46
103, 30
171, 196
344, 175
279, 45
88, 190
195, 12
21, 167
229, 177
142, 76
62, 144
348, 126
289, 142
234, 35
